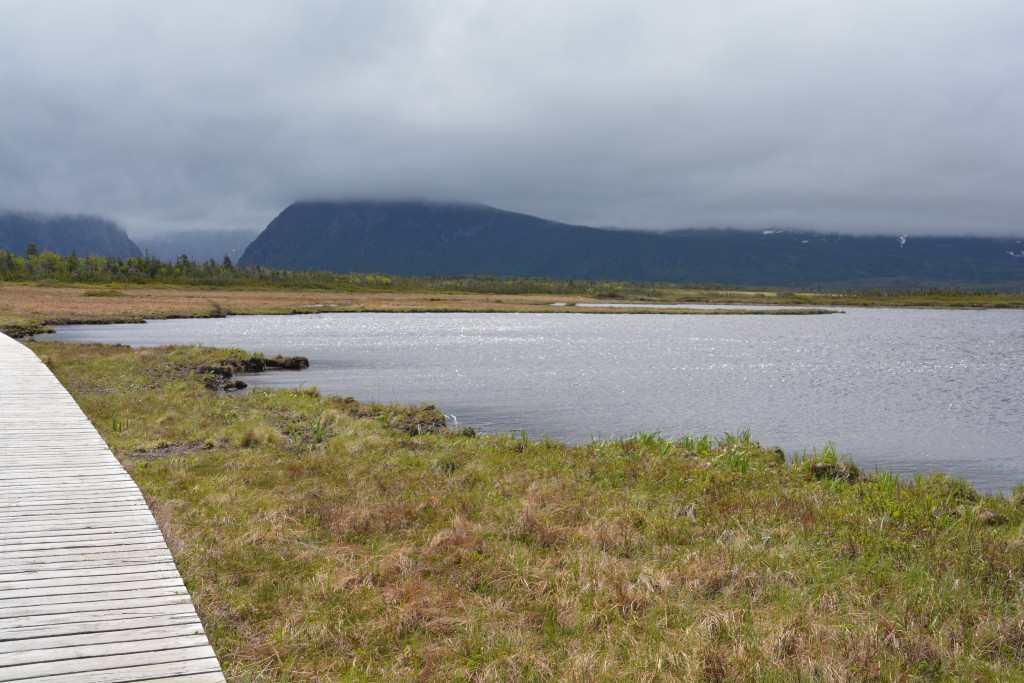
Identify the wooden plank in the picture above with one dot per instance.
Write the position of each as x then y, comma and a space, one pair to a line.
111, 584
66, 508
56, 481
84, 561
37, 539
86, 599
61, 514
69, 529
14, 624
14, 507
62, 494
62, 548
108, 551
65, 502
88, 590
44, 527
190, 678
50, 531
84, 476
56, 492
79, 582
40, 573
51, 467
68, 511
191, 671
54, 497
40, 670
30, 645
68, 496
67, 607
80, 589
46, 479
165, 641
21, 468
23, 637
24, 539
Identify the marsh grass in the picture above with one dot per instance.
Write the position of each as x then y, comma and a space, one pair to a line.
30, 309
327, 539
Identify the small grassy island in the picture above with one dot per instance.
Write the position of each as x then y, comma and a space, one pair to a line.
327, 539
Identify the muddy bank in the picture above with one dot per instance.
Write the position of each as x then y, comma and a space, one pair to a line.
221, 377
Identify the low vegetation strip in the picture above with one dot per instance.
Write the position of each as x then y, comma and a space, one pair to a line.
326, 539
26, 310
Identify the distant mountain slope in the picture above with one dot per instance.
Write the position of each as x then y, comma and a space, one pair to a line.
198, 245
423, 238
85, 235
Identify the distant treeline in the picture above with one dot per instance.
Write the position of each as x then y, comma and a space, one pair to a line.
48, 267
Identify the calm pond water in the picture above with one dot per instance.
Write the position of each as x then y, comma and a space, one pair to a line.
901, 390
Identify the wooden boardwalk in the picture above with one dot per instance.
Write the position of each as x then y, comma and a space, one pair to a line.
88, 590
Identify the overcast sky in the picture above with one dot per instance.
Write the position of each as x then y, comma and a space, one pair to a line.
880, 116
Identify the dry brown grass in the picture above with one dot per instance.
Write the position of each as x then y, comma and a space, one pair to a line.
74, 303
35, 305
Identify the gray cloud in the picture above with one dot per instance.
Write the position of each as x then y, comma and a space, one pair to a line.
870, 116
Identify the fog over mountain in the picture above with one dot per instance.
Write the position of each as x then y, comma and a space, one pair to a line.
82, 235
198, 245
890, 117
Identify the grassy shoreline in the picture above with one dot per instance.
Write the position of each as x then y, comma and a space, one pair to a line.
326, 539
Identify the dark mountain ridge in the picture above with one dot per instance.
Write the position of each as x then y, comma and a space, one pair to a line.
63, 234
449, 239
